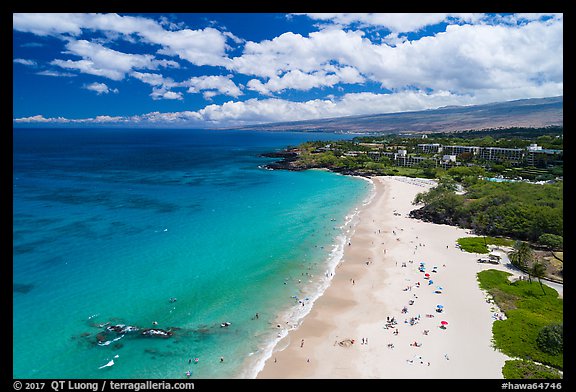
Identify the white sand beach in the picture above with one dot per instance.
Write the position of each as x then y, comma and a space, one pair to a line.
379, 276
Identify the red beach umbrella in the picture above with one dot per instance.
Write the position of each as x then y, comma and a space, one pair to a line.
444, 322
426, 274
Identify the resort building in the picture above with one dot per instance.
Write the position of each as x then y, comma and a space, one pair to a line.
456, 150
431, 148
512, 155
447, 156
407, 160
540, 157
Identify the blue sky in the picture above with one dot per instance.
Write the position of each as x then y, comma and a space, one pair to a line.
232, 69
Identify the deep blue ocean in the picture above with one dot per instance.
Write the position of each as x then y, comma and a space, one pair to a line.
118, 234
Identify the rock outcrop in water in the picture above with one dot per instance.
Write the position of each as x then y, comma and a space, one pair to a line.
158, 332
112, 333
108, 333
289, 159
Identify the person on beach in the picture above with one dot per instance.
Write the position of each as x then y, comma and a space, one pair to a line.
302, 343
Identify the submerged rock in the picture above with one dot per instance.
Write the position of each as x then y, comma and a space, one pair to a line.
22, 288
113, 333
122, 329
156, 332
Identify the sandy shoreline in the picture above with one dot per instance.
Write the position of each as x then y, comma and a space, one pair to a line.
379, 276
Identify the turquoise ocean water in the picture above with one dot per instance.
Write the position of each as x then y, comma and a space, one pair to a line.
179, 230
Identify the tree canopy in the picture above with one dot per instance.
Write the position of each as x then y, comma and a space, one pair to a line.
518, 210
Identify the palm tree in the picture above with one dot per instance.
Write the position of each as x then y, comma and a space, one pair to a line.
521, 255
538, 270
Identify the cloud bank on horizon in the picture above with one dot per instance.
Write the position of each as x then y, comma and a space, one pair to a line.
227, 70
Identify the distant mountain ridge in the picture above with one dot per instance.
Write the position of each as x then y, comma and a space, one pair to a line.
530, 113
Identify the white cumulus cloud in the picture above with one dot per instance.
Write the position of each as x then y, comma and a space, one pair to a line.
466, 59
102, 61
475, 58
29, 63
395, 22
252, 111
100, 88
211, 85
200, 47
162, 93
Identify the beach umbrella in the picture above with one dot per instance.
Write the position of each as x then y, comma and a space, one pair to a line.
439, 288
430, 282
427, 275
444, 322
439, 306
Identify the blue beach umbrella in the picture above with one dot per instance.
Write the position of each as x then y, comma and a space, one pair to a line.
439, 306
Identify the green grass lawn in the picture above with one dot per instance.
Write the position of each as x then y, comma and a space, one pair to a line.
528, 309
477, 244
